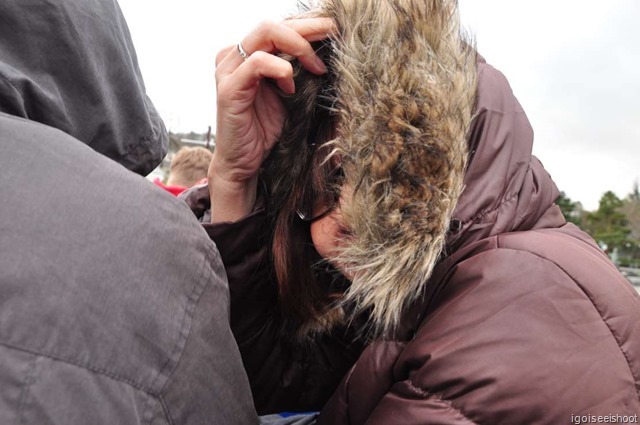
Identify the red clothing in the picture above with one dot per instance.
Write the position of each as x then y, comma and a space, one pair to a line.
174, 190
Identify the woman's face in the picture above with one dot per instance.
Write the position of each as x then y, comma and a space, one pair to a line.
327, 229
328, 233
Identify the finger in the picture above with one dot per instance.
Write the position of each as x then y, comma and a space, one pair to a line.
291, 37
259, 66
227, 60
312, 29
271, 37
223, 53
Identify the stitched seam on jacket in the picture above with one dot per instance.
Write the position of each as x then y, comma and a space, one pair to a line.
185, 328
89, 368
165, 409
497, 207
29, 379
438, 397
180, 343
489, 210
626, 357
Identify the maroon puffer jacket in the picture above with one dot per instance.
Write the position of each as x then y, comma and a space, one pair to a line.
526, 321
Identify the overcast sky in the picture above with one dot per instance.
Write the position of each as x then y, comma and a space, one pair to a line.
573, 64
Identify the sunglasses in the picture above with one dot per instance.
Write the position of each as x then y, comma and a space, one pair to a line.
314, 205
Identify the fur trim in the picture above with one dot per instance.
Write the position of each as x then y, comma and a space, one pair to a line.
403, 97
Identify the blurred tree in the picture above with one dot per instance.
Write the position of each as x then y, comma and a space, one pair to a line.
608, 225
635, 193
572, 211
631, 209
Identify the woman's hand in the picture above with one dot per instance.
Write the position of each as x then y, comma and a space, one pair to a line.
250, 112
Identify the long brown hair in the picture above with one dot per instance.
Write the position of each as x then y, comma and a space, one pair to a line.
308, 287
400, 96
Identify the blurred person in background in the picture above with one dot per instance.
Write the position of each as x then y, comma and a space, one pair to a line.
188, 168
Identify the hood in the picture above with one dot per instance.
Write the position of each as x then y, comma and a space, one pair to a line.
71, 65
405, 92
402, 97
506, 188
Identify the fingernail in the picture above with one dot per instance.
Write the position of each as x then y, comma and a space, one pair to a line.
321, 66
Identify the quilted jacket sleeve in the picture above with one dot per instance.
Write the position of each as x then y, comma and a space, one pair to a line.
383, 401
408, 405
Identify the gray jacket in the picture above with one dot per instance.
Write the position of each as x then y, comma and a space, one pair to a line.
113, 300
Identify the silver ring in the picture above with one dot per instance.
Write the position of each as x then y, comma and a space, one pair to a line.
243, 54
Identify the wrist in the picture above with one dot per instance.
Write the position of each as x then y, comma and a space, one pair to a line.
230, 200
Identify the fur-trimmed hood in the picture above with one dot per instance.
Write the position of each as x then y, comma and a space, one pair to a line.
402, 93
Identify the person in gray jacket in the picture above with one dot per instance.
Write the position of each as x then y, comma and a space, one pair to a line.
113, 300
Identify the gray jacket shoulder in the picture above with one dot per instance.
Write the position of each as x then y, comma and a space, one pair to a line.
114, 300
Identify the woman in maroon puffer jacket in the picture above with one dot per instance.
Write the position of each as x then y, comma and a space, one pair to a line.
405, 166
